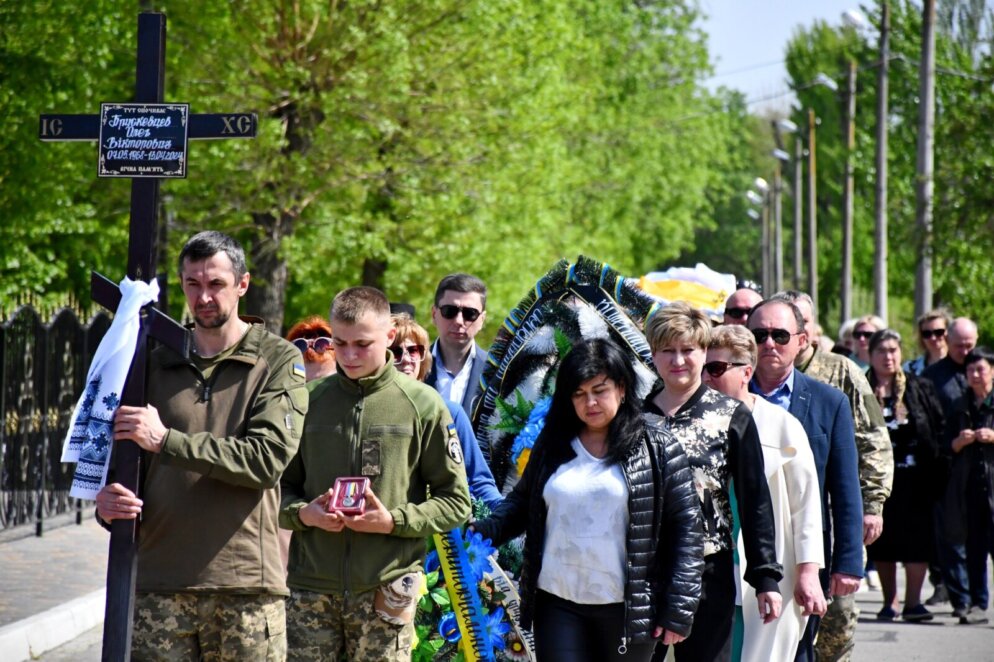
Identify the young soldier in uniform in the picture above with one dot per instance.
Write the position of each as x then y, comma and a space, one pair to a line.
355, 579
218, 431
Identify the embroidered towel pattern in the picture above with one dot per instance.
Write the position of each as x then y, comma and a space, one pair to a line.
91, 433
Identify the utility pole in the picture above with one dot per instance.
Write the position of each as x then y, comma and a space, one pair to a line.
924, 183
880, 200
849, 129
767, 284
812, 213
777, 227
798, 194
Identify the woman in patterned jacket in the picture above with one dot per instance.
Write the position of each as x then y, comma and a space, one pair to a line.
721, 441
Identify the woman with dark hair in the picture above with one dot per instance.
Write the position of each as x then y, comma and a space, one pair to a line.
613, 552
974, 448
914, 419
721, 441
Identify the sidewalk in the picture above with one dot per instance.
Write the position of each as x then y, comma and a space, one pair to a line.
51, 588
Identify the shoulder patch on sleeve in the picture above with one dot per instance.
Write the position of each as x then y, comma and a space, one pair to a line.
455, 448
298, 369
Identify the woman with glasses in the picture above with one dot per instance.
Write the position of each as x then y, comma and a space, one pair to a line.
410, 356
865, 327
613, 546
932, 329
792, 477
721, 441
915, 422
312, 336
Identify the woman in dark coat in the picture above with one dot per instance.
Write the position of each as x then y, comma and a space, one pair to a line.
973, 448
914, 419
613, 553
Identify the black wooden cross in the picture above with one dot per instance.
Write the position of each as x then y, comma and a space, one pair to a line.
142, 155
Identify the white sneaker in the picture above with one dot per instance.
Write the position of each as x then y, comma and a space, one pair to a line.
873, 580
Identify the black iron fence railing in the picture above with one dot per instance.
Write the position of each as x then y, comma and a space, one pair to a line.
43, 367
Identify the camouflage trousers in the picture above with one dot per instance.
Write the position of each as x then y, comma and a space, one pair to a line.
213, 627
837, 633
331, 628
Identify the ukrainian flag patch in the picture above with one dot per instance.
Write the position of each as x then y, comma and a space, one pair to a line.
298, 369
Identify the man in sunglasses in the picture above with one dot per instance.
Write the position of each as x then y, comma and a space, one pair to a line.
457, 363
738, 305
824, 412
836, 636
949, 376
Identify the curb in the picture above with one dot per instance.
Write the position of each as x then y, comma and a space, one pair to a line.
29, 638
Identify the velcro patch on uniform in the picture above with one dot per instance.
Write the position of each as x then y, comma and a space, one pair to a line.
455, 448
298, 369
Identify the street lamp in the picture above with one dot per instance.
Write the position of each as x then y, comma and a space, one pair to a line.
759, 196
782, 157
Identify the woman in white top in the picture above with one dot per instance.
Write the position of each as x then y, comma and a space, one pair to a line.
793, 481
614, 550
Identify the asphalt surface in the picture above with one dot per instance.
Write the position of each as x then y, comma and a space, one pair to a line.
68, 565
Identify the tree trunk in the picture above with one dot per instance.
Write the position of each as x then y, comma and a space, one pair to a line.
266, 296
373, 273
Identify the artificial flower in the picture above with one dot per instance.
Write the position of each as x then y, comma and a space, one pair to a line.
449, 628
533, 427
431, 561
479, 550
515, 649
496, 628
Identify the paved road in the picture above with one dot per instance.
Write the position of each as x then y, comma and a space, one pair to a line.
942, 639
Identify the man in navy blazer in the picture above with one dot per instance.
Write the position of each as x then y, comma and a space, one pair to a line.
459, 312
825, 414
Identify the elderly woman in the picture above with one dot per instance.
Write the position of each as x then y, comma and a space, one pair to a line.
793, 481
932, 328
914, 419
721, 441
312, 336
410, 356
613, 550
974, 447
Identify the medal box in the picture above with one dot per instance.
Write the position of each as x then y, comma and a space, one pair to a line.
349, 497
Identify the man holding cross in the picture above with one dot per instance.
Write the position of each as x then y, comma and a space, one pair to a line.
217, 433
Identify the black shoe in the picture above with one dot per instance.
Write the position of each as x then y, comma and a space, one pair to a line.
886, 614
916, 614
939, 596
975, 616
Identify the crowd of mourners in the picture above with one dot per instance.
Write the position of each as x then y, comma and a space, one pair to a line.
730, 513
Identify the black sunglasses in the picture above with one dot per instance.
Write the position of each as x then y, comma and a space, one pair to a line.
319, 345
932, 333
719, 368
416, 352
780, 336
449, 312
862, 335
737, 313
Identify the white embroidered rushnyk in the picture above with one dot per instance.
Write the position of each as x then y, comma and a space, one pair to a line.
91, 433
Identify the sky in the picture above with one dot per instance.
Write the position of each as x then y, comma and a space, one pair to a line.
747, 40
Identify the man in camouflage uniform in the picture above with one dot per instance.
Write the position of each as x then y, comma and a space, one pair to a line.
355, 579
876, 468
217, 432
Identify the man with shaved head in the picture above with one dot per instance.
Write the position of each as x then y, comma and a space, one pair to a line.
738, 305
949, 376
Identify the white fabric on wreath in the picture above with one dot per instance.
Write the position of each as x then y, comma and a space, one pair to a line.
91, 430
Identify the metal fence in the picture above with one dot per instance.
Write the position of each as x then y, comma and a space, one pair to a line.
43, 366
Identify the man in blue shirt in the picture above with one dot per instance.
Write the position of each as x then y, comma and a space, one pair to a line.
825, 414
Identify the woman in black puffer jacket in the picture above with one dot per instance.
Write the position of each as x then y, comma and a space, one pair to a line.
614, 547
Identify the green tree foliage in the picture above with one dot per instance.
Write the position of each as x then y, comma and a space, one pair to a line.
964, 136
404, 140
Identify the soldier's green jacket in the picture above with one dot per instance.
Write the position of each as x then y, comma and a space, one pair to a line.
876, 457
398, 433
211, 495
